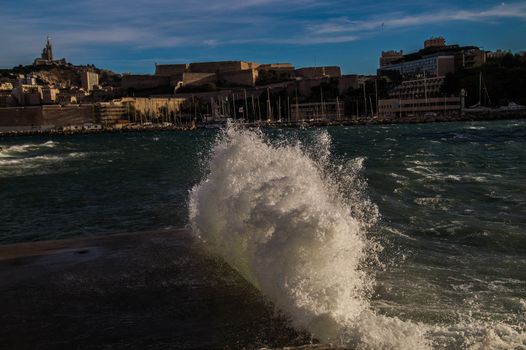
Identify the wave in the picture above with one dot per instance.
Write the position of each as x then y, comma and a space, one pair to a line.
475, 127
37, 159
7, 151
293, 222
275, 213
43, 164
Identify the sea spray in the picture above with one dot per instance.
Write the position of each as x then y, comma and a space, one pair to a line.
277, 214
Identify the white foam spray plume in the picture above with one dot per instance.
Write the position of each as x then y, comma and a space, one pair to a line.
272, 214
294, 224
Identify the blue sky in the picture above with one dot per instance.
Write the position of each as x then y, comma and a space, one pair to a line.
130, 36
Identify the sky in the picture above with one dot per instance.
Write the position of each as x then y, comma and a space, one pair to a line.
131, 36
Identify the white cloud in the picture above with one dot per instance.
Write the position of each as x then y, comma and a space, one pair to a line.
398, 20
79, 28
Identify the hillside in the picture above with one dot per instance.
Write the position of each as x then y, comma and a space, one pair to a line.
66, 75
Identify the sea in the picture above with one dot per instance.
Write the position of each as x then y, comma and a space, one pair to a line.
409, 236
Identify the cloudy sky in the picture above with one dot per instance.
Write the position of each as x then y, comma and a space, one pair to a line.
130, 36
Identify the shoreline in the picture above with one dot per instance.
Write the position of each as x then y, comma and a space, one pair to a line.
365, 121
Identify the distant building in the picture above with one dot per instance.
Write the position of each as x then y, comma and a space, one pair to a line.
105, 93
389, 57
434, 66
418, 88
6, 99
27, 94
89, 80
144, 81
434, 60
246, 77
171, 69
498, 54
326, 111
6, 86
153, 109
435, 42
421, 107
238, 73
46, 58
50, 95
108, 113
319, 72
221, 67
276, 67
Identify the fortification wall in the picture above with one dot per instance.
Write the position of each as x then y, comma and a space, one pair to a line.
54, 115
20, 116
141, 82
276, 67
347, 81
196, 79
243, 78
315, 72
171, 69
67, 115
217, 67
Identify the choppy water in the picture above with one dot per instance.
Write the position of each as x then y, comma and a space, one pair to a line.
442, 265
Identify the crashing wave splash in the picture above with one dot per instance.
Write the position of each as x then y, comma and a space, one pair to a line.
294, 225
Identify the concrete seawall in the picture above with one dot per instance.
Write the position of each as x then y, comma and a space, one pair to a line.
133, 291
47, 116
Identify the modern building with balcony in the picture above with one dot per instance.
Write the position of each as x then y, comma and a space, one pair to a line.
434, 60
421, 107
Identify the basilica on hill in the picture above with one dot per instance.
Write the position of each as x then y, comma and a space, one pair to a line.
46, 59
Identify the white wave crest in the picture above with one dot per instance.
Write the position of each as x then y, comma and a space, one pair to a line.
274, 213
7, 151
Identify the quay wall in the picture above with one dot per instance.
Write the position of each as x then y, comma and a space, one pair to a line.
20, 116
49, 116
67, 115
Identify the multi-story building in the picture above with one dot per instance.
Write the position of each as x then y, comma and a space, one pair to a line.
50, 95
418, 88
498, 54
108, 113
27, 95
435, 59
418, 107
435, 42
6, 99
6, 86
89, 80
434, 66
326, 111
152, 109
391, 56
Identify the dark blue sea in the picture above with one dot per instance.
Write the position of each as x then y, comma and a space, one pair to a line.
449, 220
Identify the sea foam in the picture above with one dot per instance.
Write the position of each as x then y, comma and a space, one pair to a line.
295, 227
